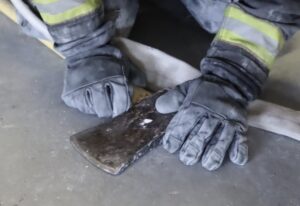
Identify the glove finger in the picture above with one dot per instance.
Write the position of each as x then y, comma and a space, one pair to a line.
193, 147
169, 102
180, 126
100, 101
238, 153
112, 98
172, 99
216, 150
118, 94
80, 100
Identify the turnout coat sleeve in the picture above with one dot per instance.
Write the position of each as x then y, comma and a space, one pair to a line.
252, 34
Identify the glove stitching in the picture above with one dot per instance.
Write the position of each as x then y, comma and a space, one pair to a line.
218, 116
198, 119
107, 99
126, 85
89, 84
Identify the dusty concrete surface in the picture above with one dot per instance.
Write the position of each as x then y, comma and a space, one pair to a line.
38, 166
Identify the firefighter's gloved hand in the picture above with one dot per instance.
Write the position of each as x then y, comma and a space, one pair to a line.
96, 83
210, 119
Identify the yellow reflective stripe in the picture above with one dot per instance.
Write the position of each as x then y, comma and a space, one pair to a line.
258, 51
44, 1
263, 26
251, 34
88, 7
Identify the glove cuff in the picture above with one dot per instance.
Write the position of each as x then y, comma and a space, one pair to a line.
236, 66
243, 51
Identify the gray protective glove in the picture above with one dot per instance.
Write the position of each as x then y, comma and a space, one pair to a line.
210, 119
97, 75
96, 83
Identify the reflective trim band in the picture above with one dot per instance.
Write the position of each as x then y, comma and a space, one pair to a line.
251, 35
59, 11
258, 51
44, 1
261, 38
263, 26
58, 6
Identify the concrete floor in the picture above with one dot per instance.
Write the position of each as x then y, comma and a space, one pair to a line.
38, 166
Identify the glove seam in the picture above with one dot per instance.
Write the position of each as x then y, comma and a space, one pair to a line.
212, 114
89, 84
126, 85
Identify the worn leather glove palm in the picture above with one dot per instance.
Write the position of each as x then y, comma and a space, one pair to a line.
210, 119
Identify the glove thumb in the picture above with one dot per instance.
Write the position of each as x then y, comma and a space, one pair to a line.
169, 102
